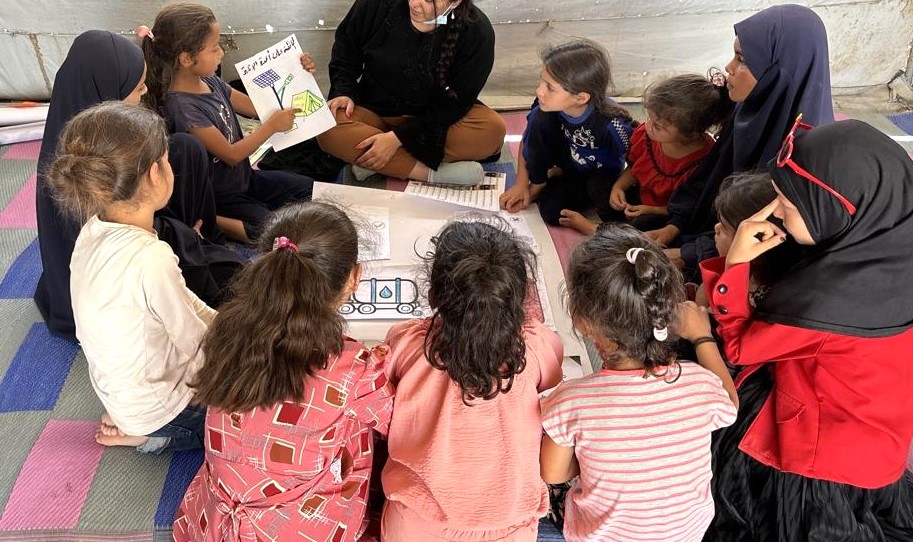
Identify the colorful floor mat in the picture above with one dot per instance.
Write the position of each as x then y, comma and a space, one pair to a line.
56, 483
904, 121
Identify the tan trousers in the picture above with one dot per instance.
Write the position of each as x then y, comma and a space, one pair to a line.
476, 136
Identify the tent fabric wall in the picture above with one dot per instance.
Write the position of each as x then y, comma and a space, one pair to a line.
870, 39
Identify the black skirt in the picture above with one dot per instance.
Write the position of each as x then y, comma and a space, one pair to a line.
758, 503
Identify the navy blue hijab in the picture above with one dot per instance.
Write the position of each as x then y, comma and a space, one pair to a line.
785, 47
858, 277
100, 66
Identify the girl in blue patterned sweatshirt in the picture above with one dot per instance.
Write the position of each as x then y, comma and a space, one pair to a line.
576, 138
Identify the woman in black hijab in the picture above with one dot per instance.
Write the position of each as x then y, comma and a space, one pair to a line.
103, 66
780, 69
819, 449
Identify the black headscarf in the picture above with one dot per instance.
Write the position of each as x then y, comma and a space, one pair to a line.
100, 66
858, 277
785, 48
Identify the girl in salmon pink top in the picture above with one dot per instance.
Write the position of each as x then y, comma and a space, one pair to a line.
637, 433
465, 433
294, 404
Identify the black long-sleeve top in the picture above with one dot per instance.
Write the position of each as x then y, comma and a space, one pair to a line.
384, 64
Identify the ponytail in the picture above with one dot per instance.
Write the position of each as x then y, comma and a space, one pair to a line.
281, 323
624, 288
583, 66
178, 28
691, 102
479, 276
279, 326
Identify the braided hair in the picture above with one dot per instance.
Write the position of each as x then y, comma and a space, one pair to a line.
633, 305
460, 18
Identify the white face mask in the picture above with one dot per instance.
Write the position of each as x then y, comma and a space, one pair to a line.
442, 18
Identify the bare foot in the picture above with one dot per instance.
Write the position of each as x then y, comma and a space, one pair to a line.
108, 427
575, 220
119, 439
108, 434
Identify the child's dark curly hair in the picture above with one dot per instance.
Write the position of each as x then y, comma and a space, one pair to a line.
615, 300
478, 278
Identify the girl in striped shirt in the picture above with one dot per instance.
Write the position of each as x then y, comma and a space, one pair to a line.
636, 433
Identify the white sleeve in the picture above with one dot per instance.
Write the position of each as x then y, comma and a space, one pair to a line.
184, 316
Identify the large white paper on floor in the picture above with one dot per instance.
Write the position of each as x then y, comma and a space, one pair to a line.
391, 292
483, 196
413, 222
517, 221
274, 79
373, 224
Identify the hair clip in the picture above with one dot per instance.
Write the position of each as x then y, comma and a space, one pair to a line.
661, 333
283, 242
144, 31
632, 253
717, 79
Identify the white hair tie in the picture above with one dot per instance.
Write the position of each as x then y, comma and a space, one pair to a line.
632, 253
661, 334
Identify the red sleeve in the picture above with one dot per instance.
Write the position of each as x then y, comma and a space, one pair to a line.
373, 404
638, 144
745, 340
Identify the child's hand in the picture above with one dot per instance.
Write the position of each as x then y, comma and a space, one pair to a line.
617, 199
381, 148
675, 256
516, 198
282, 120
693, 321
664, 235
633, 211
307, 62
755, 236
342, 102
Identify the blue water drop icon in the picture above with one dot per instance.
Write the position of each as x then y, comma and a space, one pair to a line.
386, 293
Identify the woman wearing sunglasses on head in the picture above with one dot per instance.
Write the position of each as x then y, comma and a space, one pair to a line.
779, 69
819, 450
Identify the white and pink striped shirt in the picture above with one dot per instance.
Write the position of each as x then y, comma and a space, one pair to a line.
643, 445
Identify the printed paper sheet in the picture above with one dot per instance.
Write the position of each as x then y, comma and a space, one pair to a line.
275, 80
482, 196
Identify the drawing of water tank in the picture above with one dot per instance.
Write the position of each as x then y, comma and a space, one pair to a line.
384, 294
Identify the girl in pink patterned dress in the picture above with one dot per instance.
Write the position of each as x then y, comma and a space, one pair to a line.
293, 403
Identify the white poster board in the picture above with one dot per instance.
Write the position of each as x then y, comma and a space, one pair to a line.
413, 221
373, 224
275, 80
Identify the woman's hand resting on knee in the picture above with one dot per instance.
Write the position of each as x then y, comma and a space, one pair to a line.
342, 102
381, 148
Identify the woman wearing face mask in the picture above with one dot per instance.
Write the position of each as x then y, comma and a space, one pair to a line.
779, 69
405, 77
